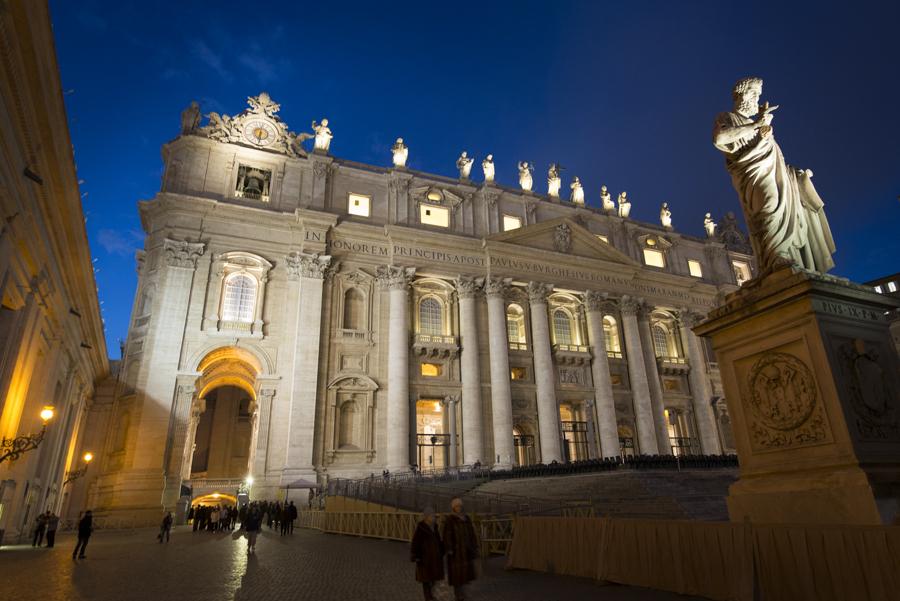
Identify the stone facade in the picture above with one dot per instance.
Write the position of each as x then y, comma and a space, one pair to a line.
382, 317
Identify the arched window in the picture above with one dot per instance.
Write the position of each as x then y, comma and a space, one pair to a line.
239, 299
346, 437
661, 340
430, 317
515, 324
611, 333
562, 327
354, 304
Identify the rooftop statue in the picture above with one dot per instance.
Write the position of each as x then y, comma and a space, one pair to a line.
624, 205
784, 213
665, 216
577, 191
464, 164
553, 180
709, 225
526, 181
323, 135
488, 166
606, 200
401, 153
190, 118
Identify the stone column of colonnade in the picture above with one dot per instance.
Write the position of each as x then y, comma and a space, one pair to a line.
544, 377
467, 290
397, 281
653, 382
701, 391
311, 271
501, 394
637, 376
603, 394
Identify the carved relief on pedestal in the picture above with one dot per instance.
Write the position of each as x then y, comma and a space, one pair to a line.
872, 399
784, 408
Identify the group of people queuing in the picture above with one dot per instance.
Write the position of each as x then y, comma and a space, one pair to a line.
279, 516
456, 543
46, 523
213, 518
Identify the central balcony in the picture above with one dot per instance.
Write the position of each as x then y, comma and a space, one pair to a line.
435, 346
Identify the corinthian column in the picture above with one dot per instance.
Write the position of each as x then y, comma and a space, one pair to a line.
397, 280
701, 391
637, 376
544, 379
603, 393
310, 269
655, 386
501, 395
450, 402
467, 289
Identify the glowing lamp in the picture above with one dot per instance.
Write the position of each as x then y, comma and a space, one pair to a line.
249, 480
88, 457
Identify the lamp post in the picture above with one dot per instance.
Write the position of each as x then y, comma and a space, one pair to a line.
76, 474
13, 448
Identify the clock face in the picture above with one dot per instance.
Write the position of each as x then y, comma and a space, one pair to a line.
259, 132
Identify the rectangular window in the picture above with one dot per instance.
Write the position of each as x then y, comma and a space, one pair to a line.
358, 204
695, 268
892, 286
431, 370
511, 223
878, 289
654, 258
603, 238
741, 271
434, 215
518, 373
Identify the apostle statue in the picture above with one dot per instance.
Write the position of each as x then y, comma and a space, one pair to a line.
323, 135
624, 205
577, 191
401, 153
784, 213
525, 178
464, 164
665, 216
606, 200
487, 165
709, 225
553, 180
190, 118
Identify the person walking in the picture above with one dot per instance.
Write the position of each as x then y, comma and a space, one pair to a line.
85, 528
165, 528
40, 526
427, 551
52, 527
292, 515
252, 526
461, 546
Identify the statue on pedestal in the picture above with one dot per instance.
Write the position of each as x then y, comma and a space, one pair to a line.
784, 213
606, 200
487, 165
577, 191
464, 164
665, 216
190, 118
323, 135
525, 178
624, 205
401, 153
553, 180
709, 225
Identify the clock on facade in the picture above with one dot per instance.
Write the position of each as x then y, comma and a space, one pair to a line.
259, 132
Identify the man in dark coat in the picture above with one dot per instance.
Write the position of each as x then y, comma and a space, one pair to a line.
85, 528
428, 553
292, 515
461, 546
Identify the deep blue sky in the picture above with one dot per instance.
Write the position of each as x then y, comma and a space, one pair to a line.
622, 94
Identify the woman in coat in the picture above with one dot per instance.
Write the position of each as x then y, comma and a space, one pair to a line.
461, 546
428, 553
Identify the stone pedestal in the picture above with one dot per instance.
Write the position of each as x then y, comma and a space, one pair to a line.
811, 380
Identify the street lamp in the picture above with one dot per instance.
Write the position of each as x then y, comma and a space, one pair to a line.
76, 474
13, 448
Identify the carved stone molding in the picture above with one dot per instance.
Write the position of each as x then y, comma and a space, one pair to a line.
301, 265
180, 253
538, 292
393, 277
595, 301
491, 198
467, 287
450, 400
321, 169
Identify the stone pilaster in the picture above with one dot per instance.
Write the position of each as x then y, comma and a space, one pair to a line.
175, 455
450, 402
397, 280
701, 391
198, 406
603, 394
501, 394
653, 382
637, 376
544, 378
468, 290
259, 465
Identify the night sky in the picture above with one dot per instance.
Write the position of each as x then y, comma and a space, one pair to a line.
622, 94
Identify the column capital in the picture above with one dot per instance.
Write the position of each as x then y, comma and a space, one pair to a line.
181, 253
393, 277
632, 306
496, 287
688, 318
594, 301
467, 287
451, 399
538, 292
302, 265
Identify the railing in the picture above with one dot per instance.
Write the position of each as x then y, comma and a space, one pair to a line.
434, 339
236, 326
518, 346
355, 335
614, 354
670, 359
433, 440
570, 348
251, 195
683, 445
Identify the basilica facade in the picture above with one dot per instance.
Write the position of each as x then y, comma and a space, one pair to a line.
300, 316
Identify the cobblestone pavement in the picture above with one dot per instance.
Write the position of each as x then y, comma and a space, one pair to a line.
306, 566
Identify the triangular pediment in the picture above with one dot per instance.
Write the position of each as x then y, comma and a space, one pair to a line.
564, 236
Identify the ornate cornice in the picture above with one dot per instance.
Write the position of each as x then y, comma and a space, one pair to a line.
300, 265
393, 277
467, 287
180, 253
538, 292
